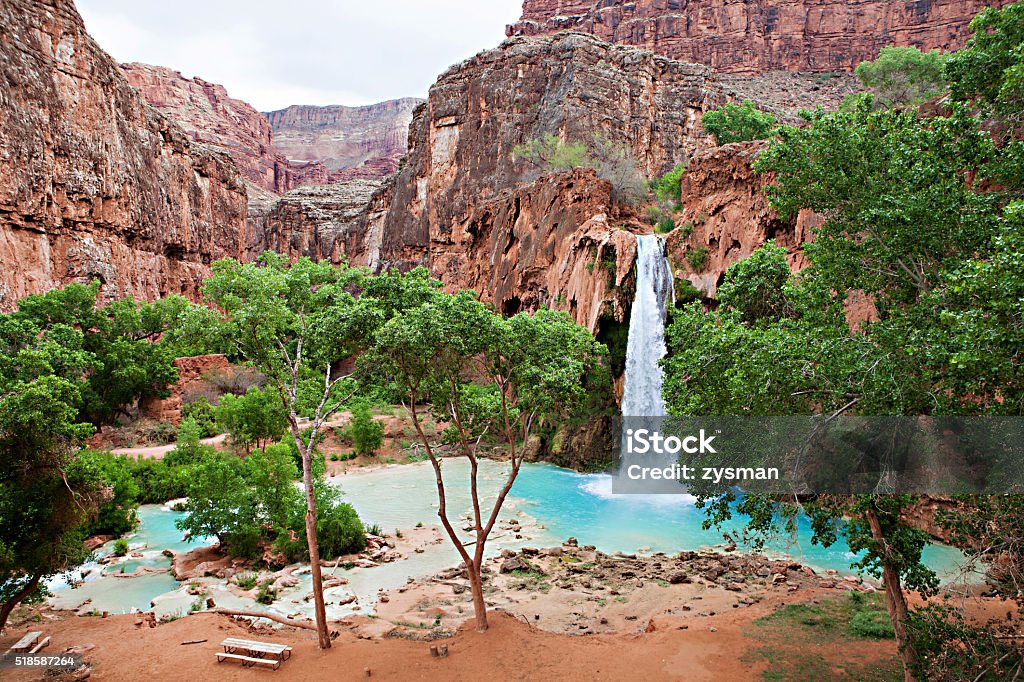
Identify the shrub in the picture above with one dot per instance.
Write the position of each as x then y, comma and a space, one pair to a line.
120, 547
116, 515
203, 414
187, 449
551, 153
668, 188
367, 434
738, 123
697, 258
159, 432
665, 225
686, 229
266, 594
653, 215
247, 581
339, 530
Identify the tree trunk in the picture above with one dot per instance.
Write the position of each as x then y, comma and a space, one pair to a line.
314, 548
895, 600
476, 586
5, 611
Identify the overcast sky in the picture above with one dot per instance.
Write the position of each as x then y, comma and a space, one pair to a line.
274, 54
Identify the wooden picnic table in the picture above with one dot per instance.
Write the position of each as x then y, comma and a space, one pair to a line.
30, 643
250, 652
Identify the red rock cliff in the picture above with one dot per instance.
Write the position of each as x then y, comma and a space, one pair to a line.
93, 182
461, 206
750, 36
352, 142
210, 116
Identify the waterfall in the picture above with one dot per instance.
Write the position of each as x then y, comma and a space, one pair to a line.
654, 289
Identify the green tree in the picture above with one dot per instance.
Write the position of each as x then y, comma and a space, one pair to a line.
990, 69
551, 153
116, 515
537, 367
293, 323
253, 419
45, 495
903, 75
367, 434
738, 123
128, 362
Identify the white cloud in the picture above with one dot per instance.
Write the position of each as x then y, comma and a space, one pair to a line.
274, 54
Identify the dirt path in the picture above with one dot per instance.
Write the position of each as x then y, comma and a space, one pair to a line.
510, 650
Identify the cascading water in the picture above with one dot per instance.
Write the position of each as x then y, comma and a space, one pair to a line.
646, 347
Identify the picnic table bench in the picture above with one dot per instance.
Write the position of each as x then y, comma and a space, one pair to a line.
252, 653
30, 643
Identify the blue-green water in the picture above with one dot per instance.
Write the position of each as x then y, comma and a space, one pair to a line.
582, 505
550, 503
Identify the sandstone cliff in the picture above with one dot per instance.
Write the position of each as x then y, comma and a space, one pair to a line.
351, 142
751, 36
461, 206
323, 222
210, 116
93, 182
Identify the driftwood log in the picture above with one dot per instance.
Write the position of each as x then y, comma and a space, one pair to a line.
307, 624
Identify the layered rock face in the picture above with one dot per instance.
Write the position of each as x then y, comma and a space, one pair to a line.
459, 204
322, 222
94, 183
751, 36
351, 142
210, 116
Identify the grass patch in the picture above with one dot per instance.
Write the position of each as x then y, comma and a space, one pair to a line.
809, 642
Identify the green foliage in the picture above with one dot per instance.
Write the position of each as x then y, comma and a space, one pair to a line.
612, 161
990, 69
551, 153
247, 581
669, 189
903, 75
120, 547
203, 414
188, 449
253, 419
46, 495
126, 363
116, 515
738, 123
756, 286
367, 433
697, 258
665, 225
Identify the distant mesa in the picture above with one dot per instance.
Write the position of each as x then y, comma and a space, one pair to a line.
351, 142
283, 150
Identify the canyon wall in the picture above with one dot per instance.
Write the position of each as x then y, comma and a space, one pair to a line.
464, 208
94, 183
323, 222
210, 116
351, 142
752, 36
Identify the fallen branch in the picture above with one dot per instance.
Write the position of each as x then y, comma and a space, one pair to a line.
307, 624
194, 641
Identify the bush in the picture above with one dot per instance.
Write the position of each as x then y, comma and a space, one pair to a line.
203, 414
120, 547
247, 581
339, 530
187, 449
697, 258
669, 189
738, 123
367, 434
871, 625
665, 225
266, 594
653, 215
551, 153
